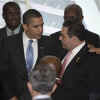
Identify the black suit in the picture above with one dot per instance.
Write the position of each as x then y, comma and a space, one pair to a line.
81, 78
14, 64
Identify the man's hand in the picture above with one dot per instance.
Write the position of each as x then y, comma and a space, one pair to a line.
96, 50
93, 49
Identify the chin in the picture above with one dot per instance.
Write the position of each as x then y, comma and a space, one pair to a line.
38, 37
35, 37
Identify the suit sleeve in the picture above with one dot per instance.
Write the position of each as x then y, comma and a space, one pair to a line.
7, 84
94, 78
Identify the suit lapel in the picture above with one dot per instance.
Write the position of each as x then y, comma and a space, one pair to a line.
3, 33
78, 57
81, 54
68, 74
20, 53
41, 49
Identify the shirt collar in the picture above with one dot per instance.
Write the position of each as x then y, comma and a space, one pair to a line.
78, 48
26, 38
15, 30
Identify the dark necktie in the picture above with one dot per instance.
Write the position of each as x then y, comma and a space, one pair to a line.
29, 56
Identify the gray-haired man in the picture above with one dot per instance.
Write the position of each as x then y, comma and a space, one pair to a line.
42, 80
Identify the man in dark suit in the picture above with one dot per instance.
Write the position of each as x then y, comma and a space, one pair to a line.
72, 10
12, 17
80, 77
16, 57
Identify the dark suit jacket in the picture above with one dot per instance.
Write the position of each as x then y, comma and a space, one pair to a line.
3, 33
81, 78
92, 38
14, 65
2, 74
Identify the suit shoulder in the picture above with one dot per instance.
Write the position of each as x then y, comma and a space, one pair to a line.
93, 56
92, 38
92, 34
55, 34
13, 37
44, 37
3, 33
11, 40
2, 29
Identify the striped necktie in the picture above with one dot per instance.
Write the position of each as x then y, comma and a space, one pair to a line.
66, 59
29, 56
65, 62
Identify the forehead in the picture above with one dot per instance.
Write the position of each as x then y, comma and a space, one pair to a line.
13, 10
10, 7
36, 20
71, 13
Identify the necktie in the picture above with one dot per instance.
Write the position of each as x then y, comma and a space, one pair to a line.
29, 56
65, 62
66, 59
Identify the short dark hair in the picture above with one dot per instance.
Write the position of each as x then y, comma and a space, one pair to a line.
76, 9
10, 4
74, 28
31, 13
43, 78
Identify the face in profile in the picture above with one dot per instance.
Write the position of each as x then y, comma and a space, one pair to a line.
12, 17
35, 28
65, 39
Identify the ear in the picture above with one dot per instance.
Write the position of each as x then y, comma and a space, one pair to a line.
74, 38
24, 27
81, 19
4, 16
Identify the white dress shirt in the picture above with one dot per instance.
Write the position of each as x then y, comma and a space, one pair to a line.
73, 53
9, 31
40, 96
34, 45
